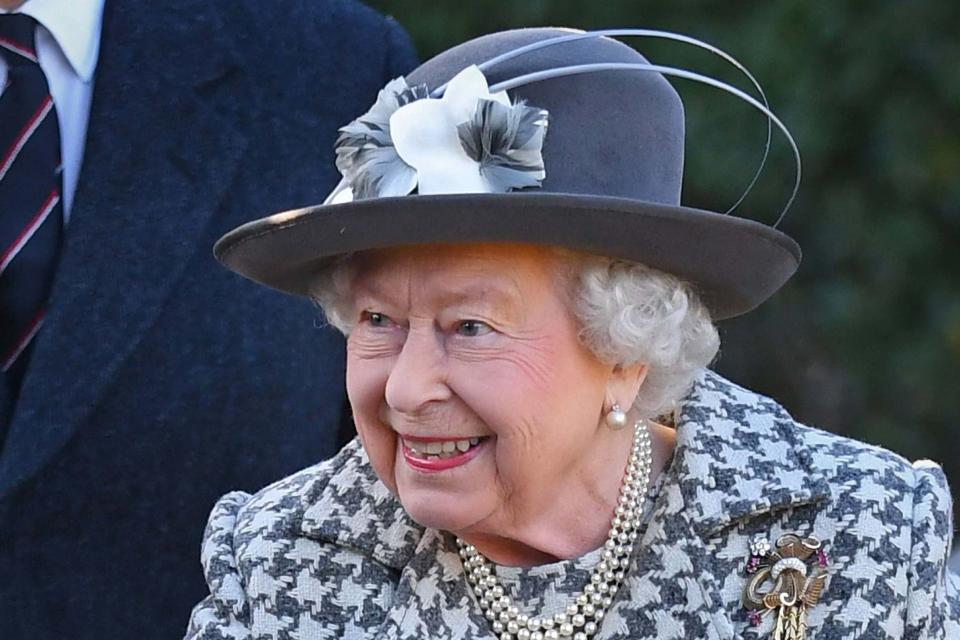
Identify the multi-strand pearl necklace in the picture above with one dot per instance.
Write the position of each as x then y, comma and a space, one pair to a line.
582, 618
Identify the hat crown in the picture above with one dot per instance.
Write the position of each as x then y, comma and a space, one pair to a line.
613, 133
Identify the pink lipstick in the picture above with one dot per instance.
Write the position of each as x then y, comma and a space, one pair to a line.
427, 463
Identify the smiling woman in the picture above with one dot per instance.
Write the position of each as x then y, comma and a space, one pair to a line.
477, 359
542, 450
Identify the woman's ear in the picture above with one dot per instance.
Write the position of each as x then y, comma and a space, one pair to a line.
625, 383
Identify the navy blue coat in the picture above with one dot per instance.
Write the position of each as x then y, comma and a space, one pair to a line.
160, 380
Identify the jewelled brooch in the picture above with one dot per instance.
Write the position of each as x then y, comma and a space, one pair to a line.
785, 579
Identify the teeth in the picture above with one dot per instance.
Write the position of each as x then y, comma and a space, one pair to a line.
441, 450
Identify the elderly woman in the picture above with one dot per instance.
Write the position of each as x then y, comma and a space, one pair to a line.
542, 451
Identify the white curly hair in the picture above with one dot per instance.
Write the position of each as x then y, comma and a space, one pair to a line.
628, 314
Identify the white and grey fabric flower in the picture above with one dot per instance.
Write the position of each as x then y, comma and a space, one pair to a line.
468, 141
365, 153
506, 142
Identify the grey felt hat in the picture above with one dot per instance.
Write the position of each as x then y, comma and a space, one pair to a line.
609, 182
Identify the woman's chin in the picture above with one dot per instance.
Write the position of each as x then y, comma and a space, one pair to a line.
447, 513
450, 506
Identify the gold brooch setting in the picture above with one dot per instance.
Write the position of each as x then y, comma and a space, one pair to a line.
786, 578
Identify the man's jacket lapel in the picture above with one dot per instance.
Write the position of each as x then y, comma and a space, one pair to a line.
162, 147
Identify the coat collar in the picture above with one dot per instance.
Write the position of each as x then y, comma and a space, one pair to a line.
353, 509
163, 145
740, 455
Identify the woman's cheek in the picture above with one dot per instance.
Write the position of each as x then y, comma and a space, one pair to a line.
368, 367
508, 367
504, 380
366, 380
505, 393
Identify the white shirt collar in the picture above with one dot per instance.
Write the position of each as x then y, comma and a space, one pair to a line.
75, 25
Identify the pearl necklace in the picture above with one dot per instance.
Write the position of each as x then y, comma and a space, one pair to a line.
582, 618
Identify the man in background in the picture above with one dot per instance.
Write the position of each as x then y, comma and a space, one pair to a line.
138, 375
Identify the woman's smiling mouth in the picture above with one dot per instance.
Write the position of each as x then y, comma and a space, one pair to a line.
430, 455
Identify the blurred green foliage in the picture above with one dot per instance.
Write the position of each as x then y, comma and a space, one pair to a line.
865, 340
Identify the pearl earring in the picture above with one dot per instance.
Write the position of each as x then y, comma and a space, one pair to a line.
616, 418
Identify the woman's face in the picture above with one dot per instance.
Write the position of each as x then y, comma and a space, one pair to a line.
471, 392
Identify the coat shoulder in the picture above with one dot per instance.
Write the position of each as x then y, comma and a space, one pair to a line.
278, 19
886, 522
242, 525
318, 40
839, 458
330, 528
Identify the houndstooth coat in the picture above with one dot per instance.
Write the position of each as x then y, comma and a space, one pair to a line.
329, 553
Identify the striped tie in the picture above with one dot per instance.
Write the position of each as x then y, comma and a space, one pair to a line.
31, 214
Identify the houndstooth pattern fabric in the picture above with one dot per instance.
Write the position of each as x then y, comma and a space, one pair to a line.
329, 553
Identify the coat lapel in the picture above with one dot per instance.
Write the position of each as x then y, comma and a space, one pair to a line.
737, 458
741, 456
161, 149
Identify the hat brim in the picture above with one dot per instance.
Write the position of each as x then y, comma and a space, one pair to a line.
733, 263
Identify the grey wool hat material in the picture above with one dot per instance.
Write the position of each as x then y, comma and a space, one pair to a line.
589, 160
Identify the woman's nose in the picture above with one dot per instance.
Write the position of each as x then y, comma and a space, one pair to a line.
418, 374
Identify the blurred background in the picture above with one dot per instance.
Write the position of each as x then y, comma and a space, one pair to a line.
865, 340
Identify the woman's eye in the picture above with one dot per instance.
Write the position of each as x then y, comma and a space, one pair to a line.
377, 319
473, 328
